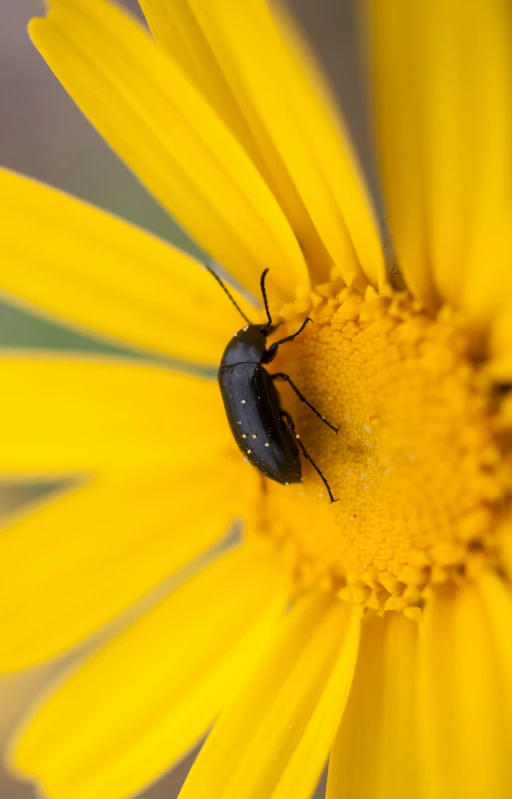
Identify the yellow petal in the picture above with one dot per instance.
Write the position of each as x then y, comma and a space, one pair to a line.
497, 598
296, 140
74, 564
139, 704
64, 416
337, 161
274, 738
443, 82
375, 752
146, 449
98, 272
176, 29
156, 120
466, 720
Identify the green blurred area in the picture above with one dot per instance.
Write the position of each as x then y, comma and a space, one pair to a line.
19, 328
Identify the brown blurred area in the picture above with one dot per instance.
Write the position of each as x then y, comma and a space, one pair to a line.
43, 134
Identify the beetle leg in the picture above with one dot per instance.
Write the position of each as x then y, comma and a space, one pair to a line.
308, 456
272, 350
282, 376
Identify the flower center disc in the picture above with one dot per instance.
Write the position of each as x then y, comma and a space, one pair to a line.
416, 464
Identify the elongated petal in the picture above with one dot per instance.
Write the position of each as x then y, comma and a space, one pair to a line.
149, 465
157, 121
75, 416
337, 163
274, 738
72, 565
466, 720
103, 274
139, 704
175, 27
375, 752
296, 140
443, 85
497, 598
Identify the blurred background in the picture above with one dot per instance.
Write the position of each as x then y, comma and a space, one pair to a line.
44, 135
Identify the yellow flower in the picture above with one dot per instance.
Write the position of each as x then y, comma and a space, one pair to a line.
378, 629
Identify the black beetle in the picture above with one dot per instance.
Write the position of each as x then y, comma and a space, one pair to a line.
263, 430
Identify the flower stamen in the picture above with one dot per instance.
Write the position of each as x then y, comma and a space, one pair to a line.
418, 461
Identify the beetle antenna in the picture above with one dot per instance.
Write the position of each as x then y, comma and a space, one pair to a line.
224, 288
264, 295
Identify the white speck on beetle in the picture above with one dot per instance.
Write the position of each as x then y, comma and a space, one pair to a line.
245, 328
323, 418
244, 435
236, 334
239, 422
245, 460
367, 428
267, 444
248, 451
297, 435
254, 435
243, 402
287, 484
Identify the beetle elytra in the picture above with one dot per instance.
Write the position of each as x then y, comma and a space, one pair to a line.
263, 430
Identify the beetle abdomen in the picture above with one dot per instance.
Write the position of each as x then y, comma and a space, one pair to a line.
254, 414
